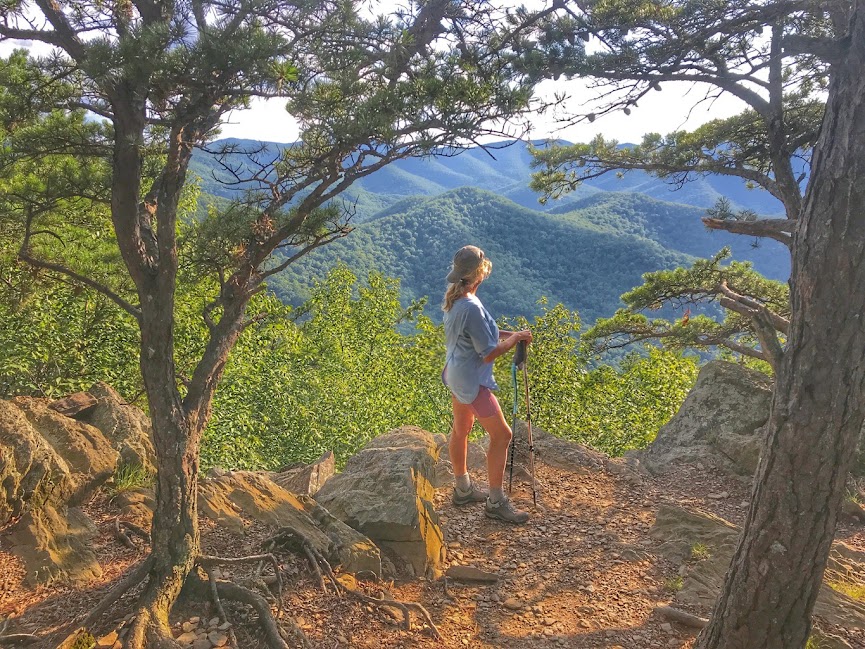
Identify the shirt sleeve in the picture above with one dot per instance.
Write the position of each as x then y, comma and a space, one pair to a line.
482, 335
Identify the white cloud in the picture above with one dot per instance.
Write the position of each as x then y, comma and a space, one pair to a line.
263, 120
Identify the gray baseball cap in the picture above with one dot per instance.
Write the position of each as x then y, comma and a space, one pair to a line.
466, 261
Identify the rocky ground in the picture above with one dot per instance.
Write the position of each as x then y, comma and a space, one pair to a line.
586, 571
611, 547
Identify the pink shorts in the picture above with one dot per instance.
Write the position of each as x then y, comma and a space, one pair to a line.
485, 404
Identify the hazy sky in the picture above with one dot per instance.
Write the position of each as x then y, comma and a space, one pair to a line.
662, 112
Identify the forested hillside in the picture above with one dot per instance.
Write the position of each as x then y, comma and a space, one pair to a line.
585, 257
584, 266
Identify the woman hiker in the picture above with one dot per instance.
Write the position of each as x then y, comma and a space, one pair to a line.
473, 342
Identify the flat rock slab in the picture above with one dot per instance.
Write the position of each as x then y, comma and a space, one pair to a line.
74, 404
231, 497
678, 530
386, 492
306, 479
471, 574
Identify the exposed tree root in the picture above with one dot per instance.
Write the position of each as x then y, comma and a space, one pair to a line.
148, 632
298, 543
124, 531
217, 601
18, 639
230, 590
208, 562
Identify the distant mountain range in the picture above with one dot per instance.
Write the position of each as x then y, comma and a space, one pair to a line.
584, 250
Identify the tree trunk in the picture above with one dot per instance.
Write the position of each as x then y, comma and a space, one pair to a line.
819, 402
174, 531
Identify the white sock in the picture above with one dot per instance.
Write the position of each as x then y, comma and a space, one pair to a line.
497, 494
463, 482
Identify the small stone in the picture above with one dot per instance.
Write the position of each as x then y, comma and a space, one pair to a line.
186, 638
666, 626
341, 639
225, 626
584, 624
513, 604
202, 643
471, 573
195, 619
188, 626
548, 621
214, 622
549, 632
217, 638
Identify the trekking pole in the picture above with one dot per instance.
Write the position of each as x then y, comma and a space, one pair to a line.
529, 424
513, 445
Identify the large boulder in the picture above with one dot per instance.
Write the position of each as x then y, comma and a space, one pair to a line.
386, 492
704, 545
126, 426
719, 424
54, 544
31, 471
47, 458
233, 498
88, 454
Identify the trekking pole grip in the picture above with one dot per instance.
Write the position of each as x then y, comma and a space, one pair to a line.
520, 354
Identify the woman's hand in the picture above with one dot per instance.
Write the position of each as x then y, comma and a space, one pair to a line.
507, 341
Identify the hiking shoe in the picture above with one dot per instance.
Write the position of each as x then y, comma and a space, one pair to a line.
503, 510
472, 495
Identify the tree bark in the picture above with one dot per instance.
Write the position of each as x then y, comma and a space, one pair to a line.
819, 403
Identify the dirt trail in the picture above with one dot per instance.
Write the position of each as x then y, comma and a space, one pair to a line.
583, 572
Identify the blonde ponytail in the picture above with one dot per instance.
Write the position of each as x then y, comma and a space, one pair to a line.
458, 289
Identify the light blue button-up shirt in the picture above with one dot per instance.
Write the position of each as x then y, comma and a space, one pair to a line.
471, 334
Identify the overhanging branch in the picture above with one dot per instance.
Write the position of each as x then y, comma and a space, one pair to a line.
777, 229
132, 310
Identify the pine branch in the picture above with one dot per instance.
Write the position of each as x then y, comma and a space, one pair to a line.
777, 229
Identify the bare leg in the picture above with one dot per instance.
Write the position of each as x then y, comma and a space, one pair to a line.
464, 419
497, 453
